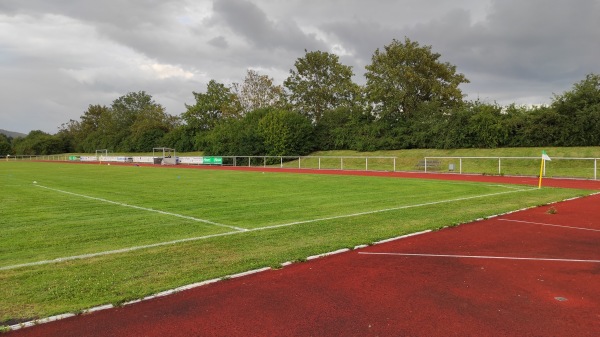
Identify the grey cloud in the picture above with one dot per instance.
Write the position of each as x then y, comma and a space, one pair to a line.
249, 21
57, 57
219, 42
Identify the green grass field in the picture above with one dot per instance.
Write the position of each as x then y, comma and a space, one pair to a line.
233, 221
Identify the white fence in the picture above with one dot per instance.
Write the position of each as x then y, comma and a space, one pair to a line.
567, 167
586, 168
315, 162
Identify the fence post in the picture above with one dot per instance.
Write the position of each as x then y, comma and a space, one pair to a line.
499, 166
299, 165
281, 164
341, 163
319, 163
425, 164
265, 161
366, 163
595, 168
459, 165
394, 164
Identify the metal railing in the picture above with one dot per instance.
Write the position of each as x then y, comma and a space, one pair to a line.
527, 166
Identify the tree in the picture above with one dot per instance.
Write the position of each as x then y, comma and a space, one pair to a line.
320, 83
257, 92
218, 103
286, 133
38, 143
5, 145
580, 107
405, 75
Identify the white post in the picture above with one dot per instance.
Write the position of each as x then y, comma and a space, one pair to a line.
319, 163
595, 168
544, 167
499, 166
460, 165
299, 159
366, 163
341, 163
281, 162
425, 164
394, 164
265, 161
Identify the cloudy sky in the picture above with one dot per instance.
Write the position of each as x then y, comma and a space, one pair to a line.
59, 56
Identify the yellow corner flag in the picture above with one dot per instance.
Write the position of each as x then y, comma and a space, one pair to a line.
542, 165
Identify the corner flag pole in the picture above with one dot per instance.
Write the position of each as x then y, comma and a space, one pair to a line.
542, 165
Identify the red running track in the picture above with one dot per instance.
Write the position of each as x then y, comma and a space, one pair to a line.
537, 274
532, 181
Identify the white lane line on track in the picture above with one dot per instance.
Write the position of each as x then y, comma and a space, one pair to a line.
159, 244
143, 208
482, 257
551, 225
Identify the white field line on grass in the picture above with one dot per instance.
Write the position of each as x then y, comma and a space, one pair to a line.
130, 249
142, 208
482, 257
551, 225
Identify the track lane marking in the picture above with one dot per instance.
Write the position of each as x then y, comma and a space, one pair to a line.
551, 225
481, 257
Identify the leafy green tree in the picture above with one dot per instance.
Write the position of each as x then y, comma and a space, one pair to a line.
38, 143
218, 103
580, 107
319, 83
404, 75
5, 145
180, 138
258, 91
343, 128
236, 136
286, 133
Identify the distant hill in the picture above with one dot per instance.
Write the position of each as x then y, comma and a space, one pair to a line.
12, 133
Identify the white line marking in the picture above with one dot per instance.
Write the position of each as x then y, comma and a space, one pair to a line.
483, 257
403, 236
130, 249
116, 251
393, 209
143, 208
551, 225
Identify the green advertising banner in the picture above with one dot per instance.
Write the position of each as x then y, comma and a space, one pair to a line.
212, 160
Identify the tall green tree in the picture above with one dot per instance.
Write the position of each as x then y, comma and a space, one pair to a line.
319, 83
5, 145
38, 143
217, 103
286, 133
258, 92
405, 75
580, 107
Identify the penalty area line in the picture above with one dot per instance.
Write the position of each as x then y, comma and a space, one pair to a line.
238, 231
116, 251
143, 208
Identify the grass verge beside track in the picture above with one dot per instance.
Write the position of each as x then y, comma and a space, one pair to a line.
39, 224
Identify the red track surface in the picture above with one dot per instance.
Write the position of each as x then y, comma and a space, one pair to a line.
358, 294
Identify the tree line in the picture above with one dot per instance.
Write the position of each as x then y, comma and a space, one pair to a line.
411, 99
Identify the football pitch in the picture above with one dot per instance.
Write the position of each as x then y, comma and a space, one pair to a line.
76, 236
